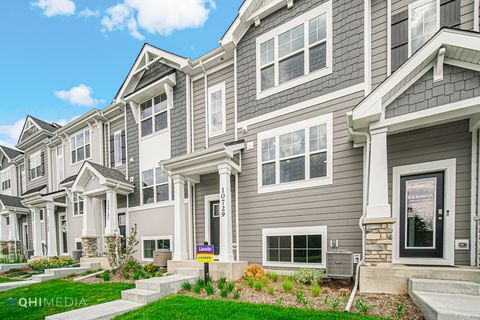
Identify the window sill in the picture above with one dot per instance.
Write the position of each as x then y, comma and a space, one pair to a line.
295, 185
216, 134
37, 178
154, 134
80, 161
294, 265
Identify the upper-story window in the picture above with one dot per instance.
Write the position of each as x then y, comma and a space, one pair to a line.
154, 115
117, 149
6, 181
296, 156
80, 146
60, 164
155, 186
216, 110
424, 21
296, 52
36, 165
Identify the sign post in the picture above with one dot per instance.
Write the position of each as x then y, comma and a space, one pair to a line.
205, 254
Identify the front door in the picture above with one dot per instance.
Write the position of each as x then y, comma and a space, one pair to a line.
215, 226
25, 237
63, 233
421, 215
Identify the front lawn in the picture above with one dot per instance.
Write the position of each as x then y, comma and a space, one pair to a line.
183, 307
55, 296
7, 280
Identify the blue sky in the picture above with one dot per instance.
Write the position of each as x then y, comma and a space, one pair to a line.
60, 58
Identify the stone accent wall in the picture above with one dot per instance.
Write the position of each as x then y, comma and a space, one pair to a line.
378, 247
90, 247
3, 248
107, 239
14, 248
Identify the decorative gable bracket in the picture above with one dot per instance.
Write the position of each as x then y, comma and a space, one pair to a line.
438, 65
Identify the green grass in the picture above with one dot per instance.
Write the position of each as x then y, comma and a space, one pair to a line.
68, 293
183, 307
7, 280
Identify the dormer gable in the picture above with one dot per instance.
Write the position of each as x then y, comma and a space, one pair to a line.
34, 130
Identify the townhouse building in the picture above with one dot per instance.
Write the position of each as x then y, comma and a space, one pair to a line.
315, 126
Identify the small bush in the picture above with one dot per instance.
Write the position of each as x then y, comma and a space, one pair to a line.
300, 296
136, 276
113, 271
221, 283
150, 268
200, 283
363, 307
158, 274
400, 309
230, 286
224, 294
270, 290
274, 276
258, 285
250, 282
287, 285
254, 271
335, 303
197, 288
315, 289
106, 276
209, 289
187, 286
264, 281
126, 276
309, 276
54, 262
236, 295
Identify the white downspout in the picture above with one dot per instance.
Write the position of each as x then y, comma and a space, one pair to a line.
366, 172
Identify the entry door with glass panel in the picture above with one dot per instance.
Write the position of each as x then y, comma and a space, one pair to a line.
422, 215
63, 232
215, 226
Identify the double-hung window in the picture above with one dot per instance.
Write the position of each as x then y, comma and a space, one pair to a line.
151, 244
216, 110
296, 247
80, 146
154, 115
155, 186
36, 165
296, 52
423, 22
60, 165
118, 149
77, 205
6, 181
296, 156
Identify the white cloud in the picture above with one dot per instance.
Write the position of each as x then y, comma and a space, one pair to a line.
80, 95
157, 17
53, 8
9, 133
86, 13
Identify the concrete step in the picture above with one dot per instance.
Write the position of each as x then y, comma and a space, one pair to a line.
15, 284
196, 272
444, 286
141, 296
91, 265
444, 306
43, 277
64, 272
165, 285
10, 266
104, 311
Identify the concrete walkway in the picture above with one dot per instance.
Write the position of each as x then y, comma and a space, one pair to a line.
146, 291
446, 299
15, 284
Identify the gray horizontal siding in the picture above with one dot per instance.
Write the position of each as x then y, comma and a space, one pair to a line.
44, 179
447, 141
379, 42
116, 125
199, 115
337, 206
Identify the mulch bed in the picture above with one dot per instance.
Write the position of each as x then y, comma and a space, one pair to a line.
334, 296
19, 274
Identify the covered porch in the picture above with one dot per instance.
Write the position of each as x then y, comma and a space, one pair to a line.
100, 189
13, 235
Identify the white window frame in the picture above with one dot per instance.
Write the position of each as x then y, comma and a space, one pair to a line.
60, 164
294, 231
154, 186
77, 199
76, 148
168, 237
211, 90
152, 117
23, 180
308, 76
6, 176
35, 156
307, 183
117, 149
413, 6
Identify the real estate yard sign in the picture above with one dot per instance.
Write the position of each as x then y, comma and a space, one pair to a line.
205, 254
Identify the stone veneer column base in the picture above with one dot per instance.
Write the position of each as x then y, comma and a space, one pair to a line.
14, 248
378, 236
89, 247
3, 248
112, 238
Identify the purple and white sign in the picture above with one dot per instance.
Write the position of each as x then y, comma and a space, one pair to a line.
204, 249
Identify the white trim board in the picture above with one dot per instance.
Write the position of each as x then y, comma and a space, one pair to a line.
302, 105
449, 168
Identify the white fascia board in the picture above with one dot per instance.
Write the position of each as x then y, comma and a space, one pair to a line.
371, 108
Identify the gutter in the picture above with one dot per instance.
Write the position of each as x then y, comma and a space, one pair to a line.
365, 202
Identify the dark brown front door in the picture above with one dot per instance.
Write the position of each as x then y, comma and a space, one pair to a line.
422, 215
215, 225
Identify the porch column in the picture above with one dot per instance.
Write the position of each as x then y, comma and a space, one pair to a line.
89, 231
52, 231
111, 220
226, 247
180, 242
3, 228
378, 206
13, 228
37, 233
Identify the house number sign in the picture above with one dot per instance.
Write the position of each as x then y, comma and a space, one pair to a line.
222, 202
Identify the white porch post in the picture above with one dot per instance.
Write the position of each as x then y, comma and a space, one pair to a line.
37, 233
111, 221
13, 230
88, 228
52, 231
180, 242
226, 247
378, 206
3, 228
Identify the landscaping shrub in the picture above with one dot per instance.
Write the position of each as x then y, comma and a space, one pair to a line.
315, 290
363, 307
309, 276
230, 286
300, 296
254, 271
236, 295
271, 290
126, 276
187, 286
224, 294
197, 288
250, 282
258, 285
221, 283
287, 285
264, 281
335, 303
54, 262
150, 268
209, 289
274, 276
200, 283
106, 276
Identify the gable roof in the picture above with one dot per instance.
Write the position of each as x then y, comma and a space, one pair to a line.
50, 127
42, 126
108, 173
461, 47
11, 153
12, 202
